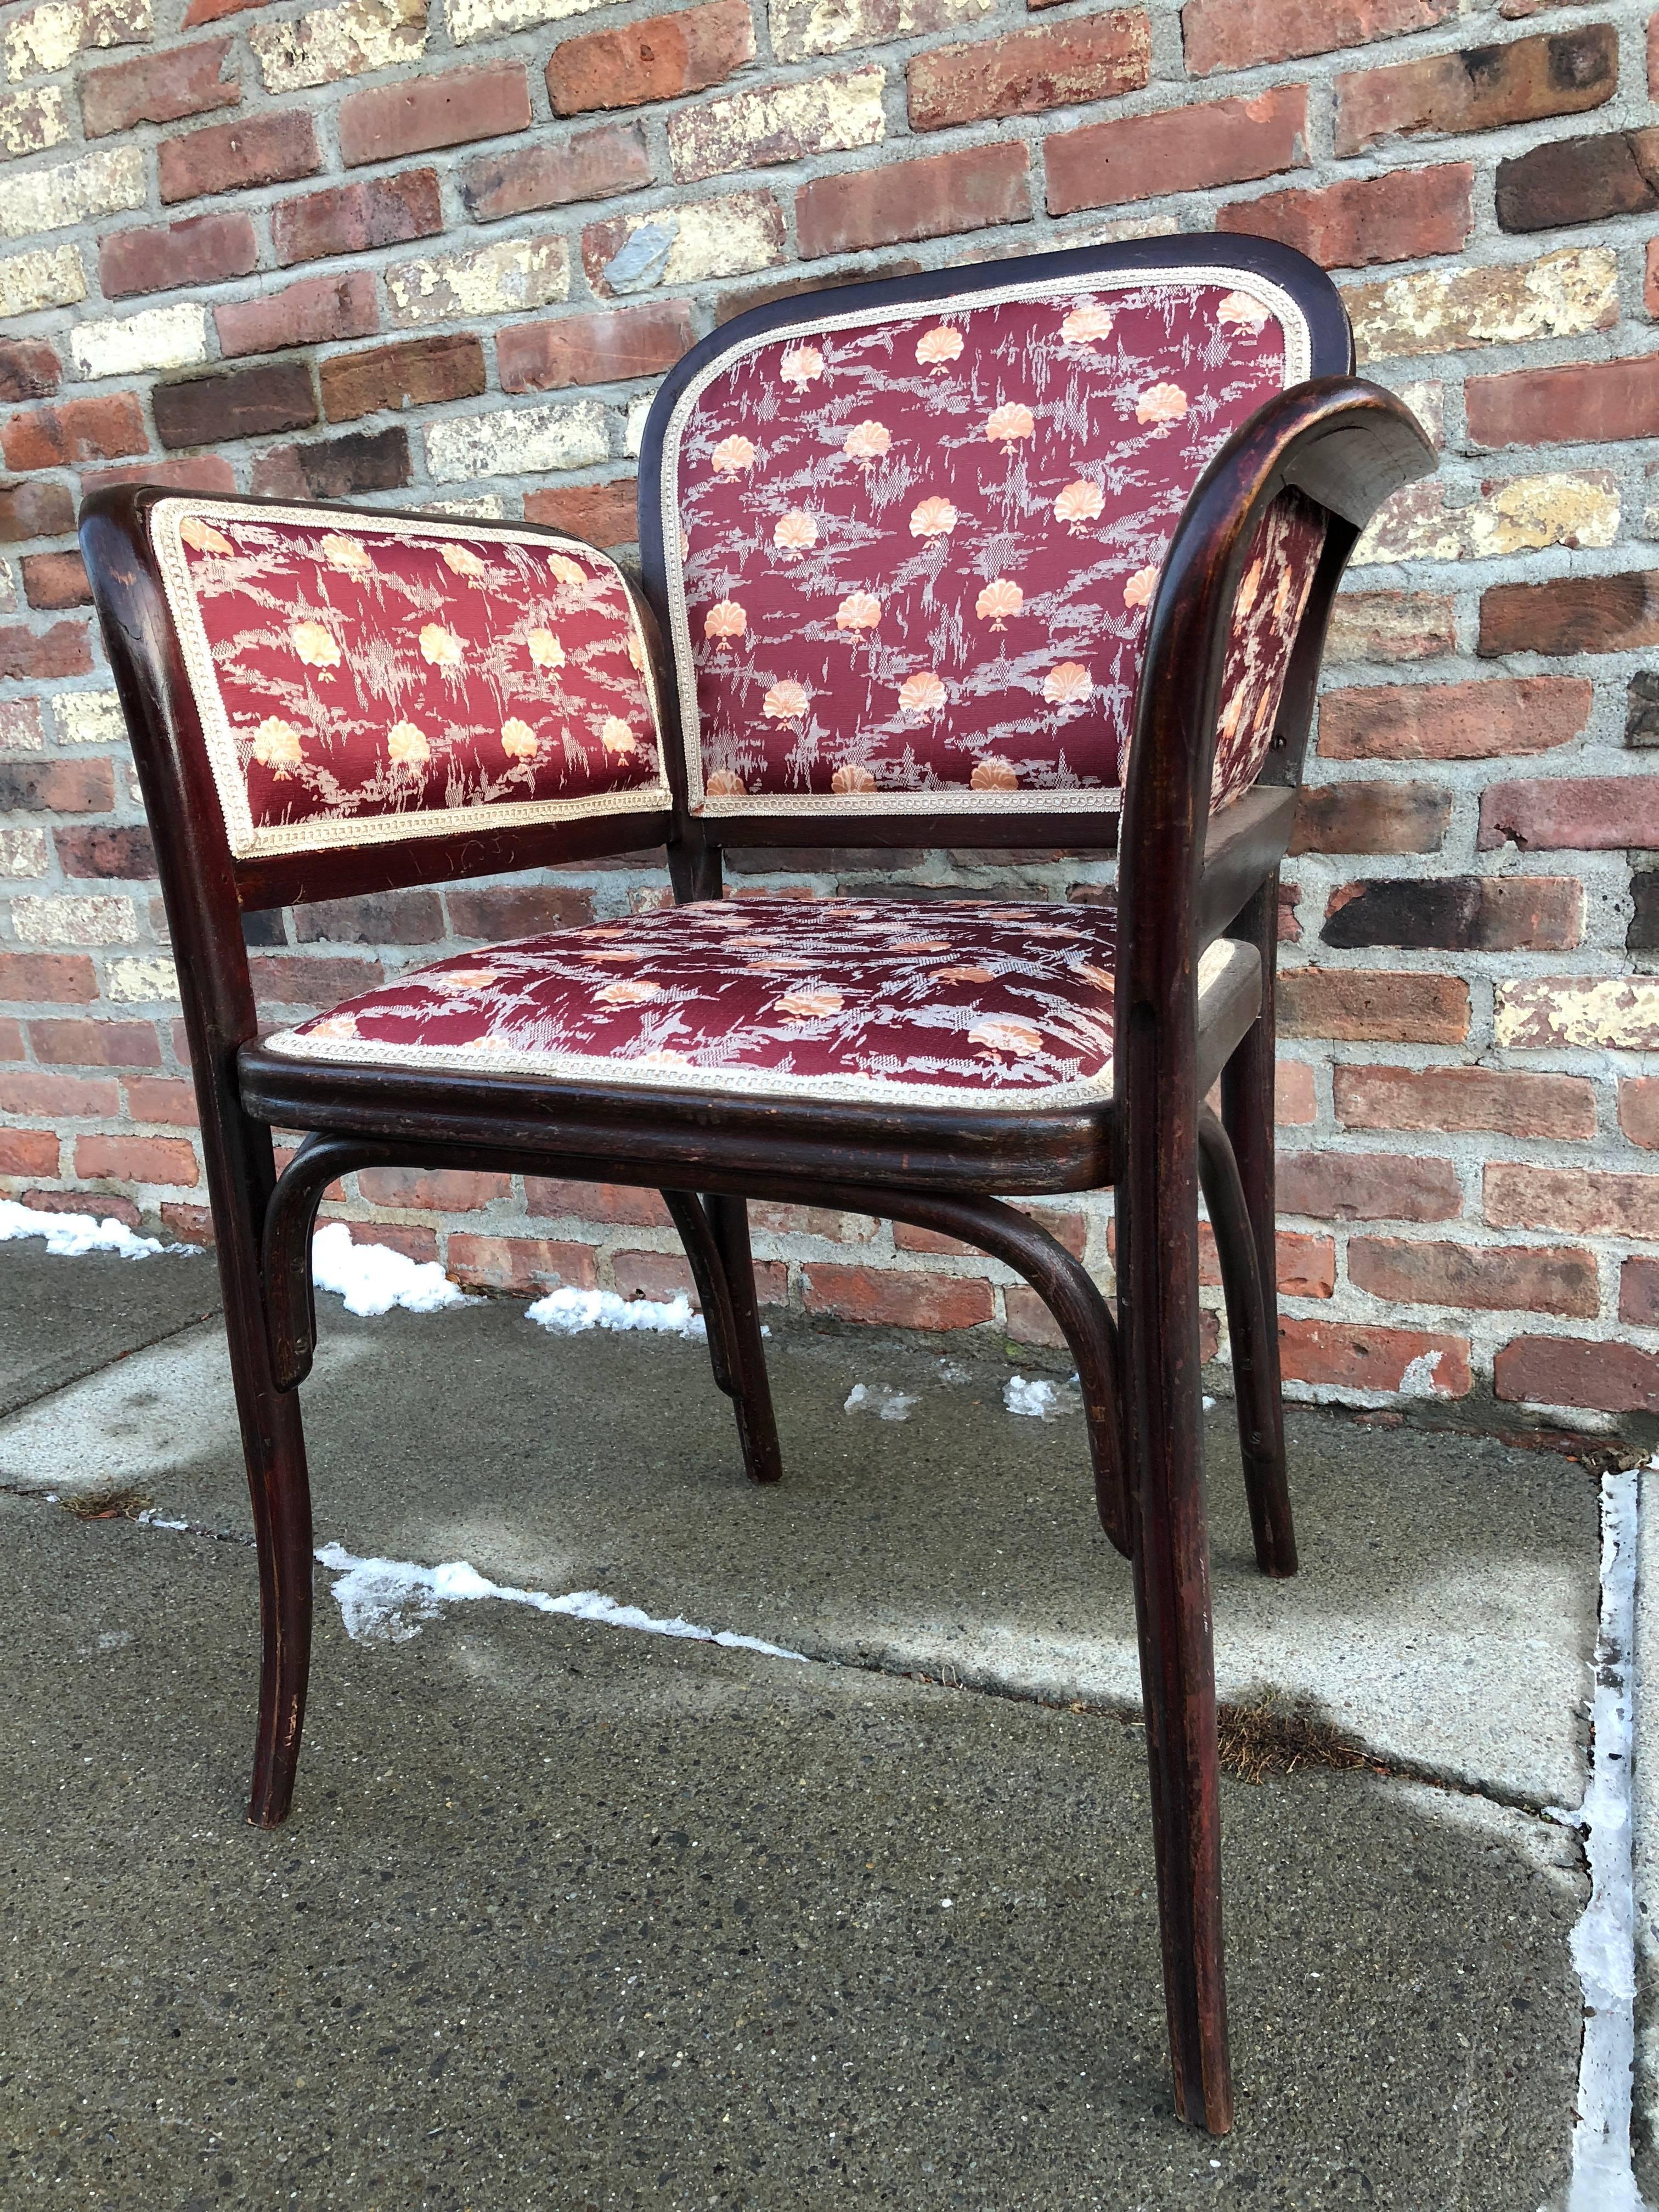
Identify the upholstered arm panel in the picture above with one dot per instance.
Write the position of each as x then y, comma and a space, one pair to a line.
369, 677
1278, 574
909, 548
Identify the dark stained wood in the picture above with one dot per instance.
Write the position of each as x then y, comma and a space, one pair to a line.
1182, 879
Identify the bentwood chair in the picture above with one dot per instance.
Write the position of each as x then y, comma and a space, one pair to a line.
1031, 555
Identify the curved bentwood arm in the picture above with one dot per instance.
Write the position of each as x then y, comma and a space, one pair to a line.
1344, 446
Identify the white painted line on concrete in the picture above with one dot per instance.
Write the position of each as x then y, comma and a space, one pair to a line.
1604, 1940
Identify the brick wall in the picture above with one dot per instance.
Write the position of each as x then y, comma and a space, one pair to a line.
434, 253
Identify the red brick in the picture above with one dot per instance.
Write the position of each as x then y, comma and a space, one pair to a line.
1569, 1370
1558, 1106
1590, 813
971, 189
1182, 150
335, 468
1638, 1110
738, 302
604, 514
599, 349
1374, 1004
1305, 1266
297, 981
213, 11
413, 372
47, 979
595, 1202
1403, 214
1586, 401
1370, 817
412, 1241
1391, 626
1368, 1187
1070, 1229
310, 312
442, 1190
1293, 1093
811, 1221
239, 402
1576, 1201
272, 148
11, 1041
157, 89
188, 1224
137, 1159
35, 510
1457, 913
524, 1264
354, 218
1454, 721
111, 849
1481, 89
66, 1097
591, 166
162, 1098
65, 1042
500, 910
663, 1276
1230, 34
446, 108
1594, 179
1495, 1279
77, 430
1085, 59
894, 1300
63, 650
56, 579
1650, 273
1348, 1356
1571, 614
209, 472
1028, 1321
1638, 1293
402, 917
56, 787
660, 58
29, 369
28, 1152
99, 1205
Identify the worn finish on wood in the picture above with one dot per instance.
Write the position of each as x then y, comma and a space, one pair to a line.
1183, 880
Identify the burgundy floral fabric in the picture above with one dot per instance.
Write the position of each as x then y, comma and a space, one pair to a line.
1278, 574
942, 1002
363, 676
913, 559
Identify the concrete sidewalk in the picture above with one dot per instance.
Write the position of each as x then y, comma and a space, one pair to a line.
570, 1915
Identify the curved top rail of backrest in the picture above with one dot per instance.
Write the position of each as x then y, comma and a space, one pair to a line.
902, 537
376, 697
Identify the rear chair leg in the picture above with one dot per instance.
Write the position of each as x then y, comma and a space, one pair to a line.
714, 1231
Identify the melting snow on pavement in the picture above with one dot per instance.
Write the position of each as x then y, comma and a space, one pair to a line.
878, 1398
372, 1278
566, 1312
386, 1600
69, 1234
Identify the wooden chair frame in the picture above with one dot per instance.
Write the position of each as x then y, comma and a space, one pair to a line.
1184, 878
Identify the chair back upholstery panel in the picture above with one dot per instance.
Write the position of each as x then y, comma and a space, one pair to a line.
909, 548
366, 679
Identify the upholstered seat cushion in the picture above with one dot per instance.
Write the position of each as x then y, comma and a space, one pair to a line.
947, 1002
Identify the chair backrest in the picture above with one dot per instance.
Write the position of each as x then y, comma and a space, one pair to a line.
369, 679
903, 537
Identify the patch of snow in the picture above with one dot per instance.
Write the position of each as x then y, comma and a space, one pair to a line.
387, 1602
568, 1312
149, 1518
1209, 1405
1418, 1379
878, 1398
1603, 1943
372, 1278
1043, 1401
69, 1234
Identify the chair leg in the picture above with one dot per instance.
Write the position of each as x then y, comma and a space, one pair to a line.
714, 1231
1157, 1319
1246, 1115
1259, 1404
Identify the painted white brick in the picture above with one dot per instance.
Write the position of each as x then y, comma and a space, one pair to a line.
518, 441
22, 852
75, 921
332, 43
694, 244
638, 409
104, 182
88, 718
488, 506
49, 37
781, 123
804, 28
1517, 514
32, 121
20, 726
160, 337
489, 19
51, 276
141, 982
498, 280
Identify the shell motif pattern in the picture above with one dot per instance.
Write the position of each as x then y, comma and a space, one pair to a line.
374, 671
982, 497
950, 999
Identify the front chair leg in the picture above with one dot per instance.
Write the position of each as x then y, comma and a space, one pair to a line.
714, 1231
1256, 1396
1158, 1319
